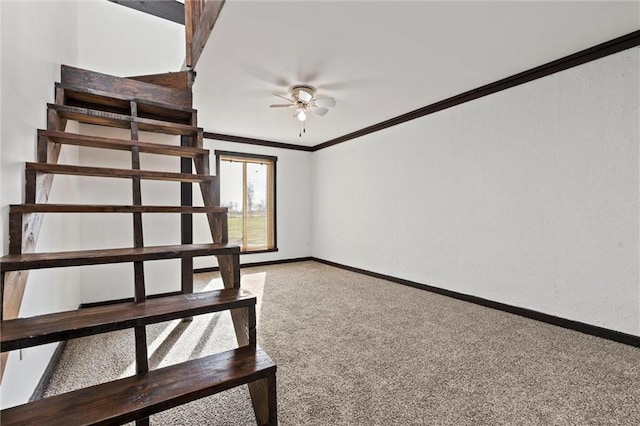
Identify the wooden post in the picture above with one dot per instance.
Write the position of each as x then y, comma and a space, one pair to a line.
186, 220
142, 358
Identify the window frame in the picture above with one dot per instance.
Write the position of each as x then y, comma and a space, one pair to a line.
253, 158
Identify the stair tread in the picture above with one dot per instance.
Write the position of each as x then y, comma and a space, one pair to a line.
27, 261
121, 144
109, 208
112, 119
42, 329
65, 169
141, 395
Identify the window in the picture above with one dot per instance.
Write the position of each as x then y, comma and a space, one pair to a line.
247, 185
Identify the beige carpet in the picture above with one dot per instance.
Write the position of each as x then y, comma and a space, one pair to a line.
354, 350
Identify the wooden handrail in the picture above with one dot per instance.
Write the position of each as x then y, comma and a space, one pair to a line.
199, 18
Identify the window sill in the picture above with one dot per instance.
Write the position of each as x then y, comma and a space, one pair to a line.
259, 251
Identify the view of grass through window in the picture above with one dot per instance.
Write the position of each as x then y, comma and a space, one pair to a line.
246, 190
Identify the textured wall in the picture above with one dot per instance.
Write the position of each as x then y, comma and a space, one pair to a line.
528, 197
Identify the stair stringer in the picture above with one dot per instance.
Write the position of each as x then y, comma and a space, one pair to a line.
14, 283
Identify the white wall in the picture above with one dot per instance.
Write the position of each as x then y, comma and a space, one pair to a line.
527, 197
121, 41
36, 38
293, 203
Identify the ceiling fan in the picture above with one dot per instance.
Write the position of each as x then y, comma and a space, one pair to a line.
303, 99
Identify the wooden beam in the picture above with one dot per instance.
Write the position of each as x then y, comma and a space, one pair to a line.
191, 17
210, 14
168, 9
182, 80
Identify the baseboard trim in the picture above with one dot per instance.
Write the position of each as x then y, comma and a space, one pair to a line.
38, 392
593, 330
250, 265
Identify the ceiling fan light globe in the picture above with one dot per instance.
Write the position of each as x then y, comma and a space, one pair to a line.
301, 116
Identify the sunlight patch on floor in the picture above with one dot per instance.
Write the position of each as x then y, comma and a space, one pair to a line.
254, 283
178, 341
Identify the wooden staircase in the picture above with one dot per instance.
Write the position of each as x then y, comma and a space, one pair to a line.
136, 104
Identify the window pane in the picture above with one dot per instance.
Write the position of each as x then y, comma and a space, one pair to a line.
247, 189
257, 207
231, 196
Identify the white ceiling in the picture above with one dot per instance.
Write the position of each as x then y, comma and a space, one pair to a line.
379, 59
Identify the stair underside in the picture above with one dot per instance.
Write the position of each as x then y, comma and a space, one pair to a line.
43, 329
23, 262
124, 87
121, 144
110, 119
107, 208
97, 99
64, 169
139, 396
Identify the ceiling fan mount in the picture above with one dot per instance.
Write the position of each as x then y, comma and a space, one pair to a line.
305, 89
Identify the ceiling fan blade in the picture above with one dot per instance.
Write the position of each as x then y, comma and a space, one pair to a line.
325, 102
304, 96
320, 111
285, 98
281, 106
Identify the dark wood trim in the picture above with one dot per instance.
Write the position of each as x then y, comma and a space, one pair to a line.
273, 250
259, 142
170, 10
275, 208
254, 264
599, 51
218, 153
38, 392
605, 333
587, 55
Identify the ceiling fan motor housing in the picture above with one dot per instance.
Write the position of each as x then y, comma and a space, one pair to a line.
309, 91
